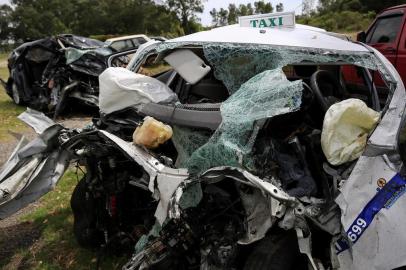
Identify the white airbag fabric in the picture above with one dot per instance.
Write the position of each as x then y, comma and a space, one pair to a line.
190, 66
346, 127
121, 88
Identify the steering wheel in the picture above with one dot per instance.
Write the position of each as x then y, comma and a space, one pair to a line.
326, 88
307, 96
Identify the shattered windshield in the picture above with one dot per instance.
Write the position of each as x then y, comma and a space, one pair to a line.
73, 54
265, 95
258, 90
234, 64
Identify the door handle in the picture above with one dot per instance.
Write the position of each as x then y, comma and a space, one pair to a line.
390, 50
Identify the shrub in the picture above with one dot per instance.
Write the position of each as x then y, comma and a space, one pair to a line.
343, 21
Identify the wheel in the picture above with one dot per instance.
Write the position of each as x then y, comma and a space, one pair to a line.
277, 252
84, 217
16, 95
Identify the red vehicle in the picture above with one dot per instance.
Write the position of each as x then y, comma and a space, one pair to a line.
388, 35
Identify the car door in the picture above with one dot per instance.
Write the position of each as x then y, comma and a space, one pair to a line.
401, 55
384, 35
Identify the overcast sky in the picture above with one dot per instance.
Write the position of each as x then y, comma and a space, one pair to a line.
289, 5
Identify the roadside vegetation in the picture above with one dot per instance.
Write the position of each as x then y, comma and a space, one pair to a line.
343, 15
8, 110
350, 21
44, 239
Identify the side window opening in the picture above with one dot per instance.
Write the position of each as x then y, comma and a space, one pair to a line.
153, 66
122, 45
385, 30
357, 87
138, 41
334, 82
118, 45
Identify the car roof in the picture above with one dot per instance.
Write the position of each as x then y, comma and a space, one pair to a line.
299, 36
126, 37
403, 6
396, 10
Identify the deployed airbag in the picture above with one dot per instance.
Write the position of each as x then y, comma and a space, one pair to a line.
346, 127
121, 88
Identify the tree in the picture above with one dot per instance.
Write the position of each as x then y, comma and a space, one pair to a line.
377, 6
39, 18
356, 5
214, 17
186, 11
223, 17
244, 10
279, 7
219, 18
307, 7
33, 19
261, 7
5, 26
232, 14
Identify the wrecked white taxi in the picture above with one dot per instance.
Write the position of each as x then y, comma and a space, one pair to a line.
250, 151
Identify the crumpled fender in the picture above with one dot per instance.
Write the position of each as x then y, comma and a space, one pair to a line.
33, 169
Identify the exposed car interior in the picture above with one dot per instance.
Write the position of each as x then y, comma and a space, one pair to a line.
200, 109
287, 146
200, 101
323, 86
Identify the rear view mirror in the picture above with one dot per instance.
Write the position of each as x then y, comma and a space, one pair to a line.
361, 37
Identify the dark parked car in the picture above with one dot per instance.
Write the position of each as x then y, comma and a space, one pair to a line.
45, 73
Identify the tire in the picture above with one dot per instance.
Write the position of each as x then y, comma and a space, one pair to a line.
16, 95
276, 252
84, 217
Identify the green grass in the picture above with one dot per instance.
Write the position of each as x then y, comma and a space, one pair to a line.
55, 246
8, 110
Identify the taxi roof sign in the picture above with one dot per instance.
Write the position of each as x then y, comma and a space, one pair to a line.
270, 20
